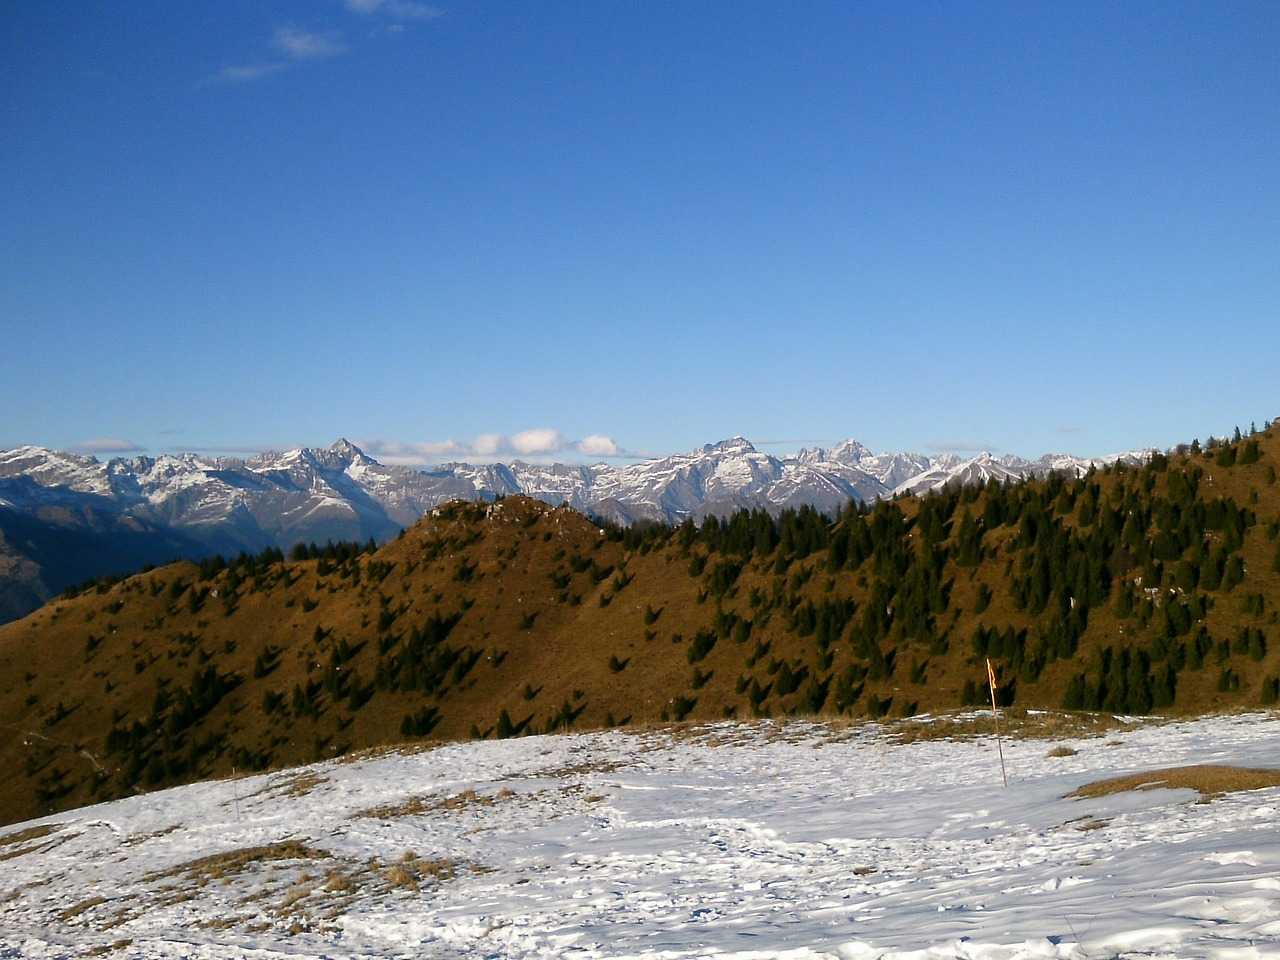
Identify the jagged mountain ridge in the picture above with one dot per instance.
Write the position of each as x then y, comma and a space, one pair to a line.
190, 506
341, 486
723, 477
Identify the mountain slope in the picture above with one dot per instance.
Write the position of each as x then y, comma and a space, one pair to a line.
98, 518
1126, 590
65, 519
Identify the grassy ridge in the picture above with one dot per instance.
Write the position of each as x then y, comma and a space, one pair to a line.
1150, 590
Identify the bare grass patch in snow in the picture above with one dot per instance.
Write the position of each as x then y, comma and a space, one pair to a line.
1210, 780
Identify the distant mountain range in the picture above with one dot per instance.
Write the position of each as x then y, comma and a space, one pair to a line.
66, 518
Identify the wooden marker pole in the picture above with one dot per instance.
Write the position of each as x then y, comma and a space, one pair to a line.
995, 712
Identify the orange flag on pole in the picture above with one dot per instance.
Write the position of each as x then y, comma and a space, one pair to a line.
991, 679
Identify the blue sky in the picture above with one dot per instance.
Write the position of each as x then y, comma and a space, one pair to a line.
559, 229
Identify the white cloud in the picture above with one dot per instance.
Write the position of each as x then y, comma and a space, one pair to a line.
393, 451
108, 445
534, 442
233, 450
597, 446
308, 45
247, 74
538, 444
396, 9
297, 44
959, 446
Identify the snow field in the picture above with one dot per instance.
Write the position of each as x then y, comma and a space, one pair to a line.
733, 841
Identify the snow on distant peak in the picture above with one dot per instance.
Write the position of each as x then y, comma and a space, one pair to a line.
55, 468
735, 445
717, 478
345, 448
846, 452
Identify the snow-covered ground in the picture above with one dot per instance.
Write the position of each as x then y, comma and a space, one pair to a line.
746, 841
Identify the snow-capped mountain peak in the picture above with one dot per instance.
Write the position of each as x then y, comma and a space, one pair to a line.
366, 498
735, 446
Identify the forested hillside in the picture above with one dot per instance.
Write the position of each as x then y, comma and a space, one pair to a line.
1125, 590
